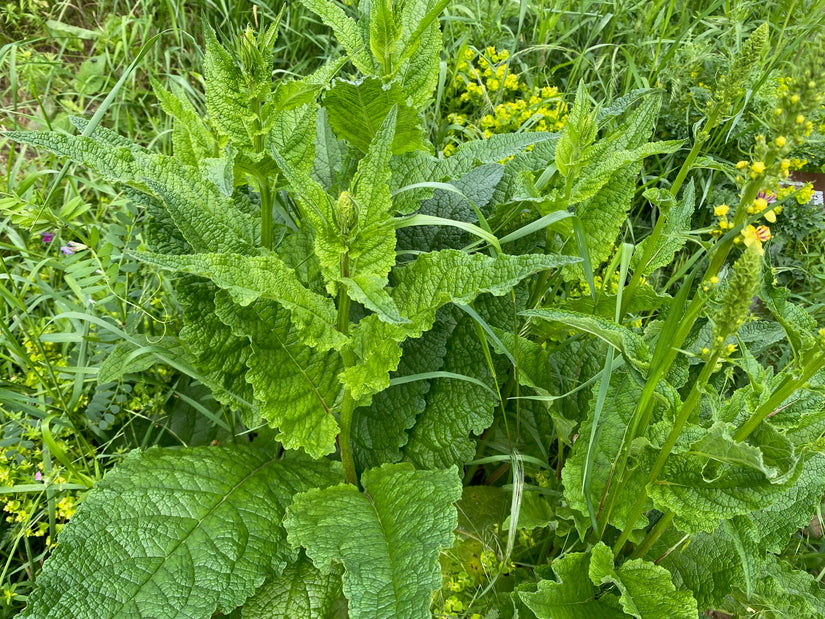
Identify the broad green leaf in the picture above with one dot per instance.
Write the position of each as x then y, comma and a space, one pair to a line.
128, 357
621, 338
329, 154
460, 278
572, 595
293, 135
785, 592
710, 565
455, 409
172, 533
371, 246
716, 478
227, 91
376, 349
295, 385
380, 429
677, 223
419, 74
220, 171
579, 132
356, 111
345, 30
293, 93
384, 33
793, 508
622, 394
599, 172
647, 591
248, 278
217, 352
300, 592
388, 538
191, 138
476, 188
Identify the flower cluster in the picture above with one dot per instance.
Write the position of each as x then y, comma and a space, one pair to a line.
489, 98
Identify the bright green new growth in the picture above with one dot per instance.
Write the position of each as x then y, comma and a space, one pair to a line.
402, 521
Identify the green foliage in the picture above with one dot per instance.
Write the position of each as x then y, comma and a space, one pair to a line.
386, 326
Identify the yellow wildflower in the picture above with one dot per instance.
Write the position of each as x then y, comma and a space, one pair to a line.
758, 167
721, 210
780, 141
754, 237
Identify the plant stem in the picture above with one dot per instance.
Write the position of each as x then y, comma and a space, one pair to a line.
348, 405
654, 535
685, 412
266, 212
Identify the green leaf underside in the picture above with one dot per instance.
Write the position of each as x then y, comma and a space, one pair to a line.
370, 102
454, 409
175, 533
380, 430
403, 520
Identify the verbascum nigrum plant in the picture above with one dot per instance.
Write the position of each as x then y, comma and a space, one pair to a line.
436, 425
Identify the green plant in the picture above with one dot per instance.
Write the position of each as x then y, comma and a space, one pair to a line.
350, 294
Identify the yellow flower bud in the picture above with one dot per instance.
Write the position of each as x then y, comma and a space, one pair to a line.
758, 167
800, 119
721, 210
780, 141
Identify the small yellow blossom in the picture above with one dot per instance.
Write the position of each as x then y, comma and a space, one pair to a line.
758, 167
741, 165
714, 280
721, 210
800, 119
780, 141
754, 237
795, 99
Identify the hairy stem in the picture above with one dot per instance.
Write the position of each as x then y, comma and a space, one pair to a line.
348, 405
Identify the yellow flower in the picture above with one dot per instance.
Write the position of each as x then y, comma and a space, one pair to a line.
754, 237
721, 210
800, 119
469, 54
741, 165
780, 141
758, 167
770, 216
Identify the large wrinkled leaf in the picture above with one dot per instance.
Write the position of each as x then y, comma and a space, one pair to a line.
716, 478
388, 538
572, 595
622, 394
455, 409
711, 565
250, 278
345, 30
356, 111
647, 591
176, 533
300, 592
623, 339
296, 386
380, 429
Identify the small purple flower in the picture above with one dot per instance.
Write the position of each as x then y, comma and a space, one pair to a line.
71, 247
767, 196
38, 476
47, 237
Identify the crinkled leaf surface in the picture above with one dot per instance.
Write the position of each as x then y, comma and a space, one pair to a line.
647, 591
296, 386
380, 429
572, 595
357, 109
176, 533
455, 408
300, 592
388, 537
248, 278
